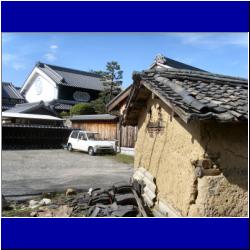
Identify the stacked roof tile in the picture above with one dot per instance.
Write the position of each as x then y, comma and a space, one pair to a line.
196, 94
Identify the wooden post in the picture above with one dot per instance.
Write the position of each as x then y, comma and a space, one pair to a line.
120, 133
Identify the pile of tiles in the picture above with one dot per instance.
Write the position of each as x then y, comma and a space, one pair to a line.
120, 200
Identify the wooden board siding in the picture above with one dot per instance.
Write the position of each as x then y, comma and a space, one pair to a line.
107, 129
128, 136
110, 130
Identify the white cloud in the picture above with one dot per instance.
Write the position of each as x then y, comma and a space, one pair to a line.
51, 57
215, 40
13, 61
53, 46
7, 58
18, 66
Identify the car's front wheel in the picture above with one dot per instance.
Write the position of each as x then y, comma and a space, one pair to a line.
91, 151
70, 147
113, 152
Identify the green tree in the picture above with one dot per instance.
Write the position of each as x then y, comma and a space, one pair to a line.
82, 109
112, 81
98, 72
99, 105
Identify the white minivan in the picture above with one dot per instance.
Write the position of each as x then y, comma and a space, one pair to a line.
89, 142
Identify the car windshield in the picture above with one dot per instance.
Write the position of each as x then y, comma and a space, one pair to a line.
93, 136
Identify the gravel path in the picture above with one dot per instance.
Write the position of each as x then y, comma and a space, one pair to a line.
33, 171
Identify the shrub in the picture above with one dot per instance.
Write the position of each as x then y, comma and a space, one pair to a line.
64, 113
82, 109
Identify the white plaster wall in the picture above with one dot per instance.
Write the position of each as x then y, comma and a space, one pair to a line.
46, 92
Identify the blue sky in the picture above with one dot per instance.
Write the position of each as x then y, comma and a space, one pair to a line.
225, 53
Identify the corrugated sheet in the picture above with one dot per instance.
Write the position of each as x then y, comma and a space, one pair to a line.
100, 117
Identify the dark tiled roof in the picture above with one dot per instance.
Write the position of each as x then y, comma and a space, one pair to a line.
195, 94
7, 106
24, 107
101, 117
163, 60
62, 106
72, 77
54, 105
32, 107
9, 91
63, 101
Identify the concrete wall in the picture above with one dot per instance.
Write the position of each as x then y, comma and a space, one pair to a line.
67, 122
127, 151
168, 154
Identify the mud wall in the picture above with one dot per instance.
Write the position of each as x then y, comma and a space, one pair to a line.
168, 154
226, 194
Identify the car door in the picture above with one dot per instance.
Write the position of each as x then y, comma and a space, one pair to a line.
82, 141
73, 139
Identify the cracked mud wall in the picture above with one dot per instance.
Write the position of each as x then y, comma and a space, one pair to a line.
167, 155
226, 194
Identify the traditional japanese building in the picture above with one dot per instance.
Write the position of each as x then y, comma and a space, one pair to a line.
10, 96
33, 125
127, 134
192, 143
60, 86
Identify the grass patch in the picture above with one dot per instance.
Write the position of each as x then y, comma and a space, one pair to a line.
127, 159
25, 212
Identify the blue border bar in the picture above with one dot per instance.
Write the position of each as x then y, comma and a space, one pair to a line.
125, 16
125, 233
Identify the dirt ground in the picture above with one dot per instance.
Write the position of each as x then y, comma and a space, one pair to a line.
27, 172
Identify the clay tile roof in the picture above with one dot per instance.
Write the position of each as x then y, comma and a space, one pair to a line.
72, 77
9, 91
163, 60
194, 94
31, 108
